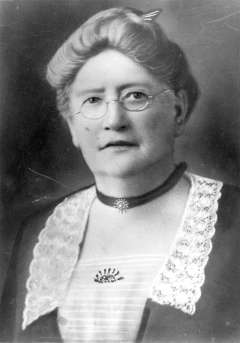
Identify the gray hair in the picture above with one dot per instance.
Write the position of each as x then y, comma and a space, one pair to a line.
132, 33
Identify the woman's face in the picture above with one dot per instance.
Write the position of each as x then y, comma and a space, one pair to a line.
122, 142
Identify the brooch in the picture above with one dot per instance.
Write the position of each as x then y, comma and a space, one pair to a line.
108, 275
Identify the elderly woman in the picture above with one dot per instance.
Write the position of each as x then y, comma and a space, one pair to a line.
150, 253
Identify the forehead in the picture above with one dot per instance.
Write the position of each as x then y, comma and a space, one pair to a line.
111, 68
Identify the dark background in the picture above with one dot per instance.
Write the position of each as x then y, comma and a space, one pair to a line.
33, 139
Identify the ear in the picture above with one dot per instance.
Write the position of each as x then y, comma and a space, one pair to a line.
181, 107
71, 126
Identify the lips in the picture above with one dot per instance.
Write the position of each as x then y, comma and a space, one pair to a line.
119, 143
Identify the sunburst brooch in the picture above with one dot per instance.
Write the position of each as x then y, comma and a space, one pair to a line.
108, 275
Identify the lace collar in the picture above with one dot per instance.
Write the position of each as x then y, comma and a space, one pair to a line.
179, 282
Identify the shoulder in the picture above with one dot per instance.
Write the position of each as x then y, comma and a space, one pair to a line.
229, 206
227, 237
222, 274
64, 206
34, 224
227, 199
43, 222
43, 229
219, 204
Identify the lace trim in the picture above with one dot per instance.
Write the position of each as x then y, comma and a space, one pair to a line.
55, 256
180, 280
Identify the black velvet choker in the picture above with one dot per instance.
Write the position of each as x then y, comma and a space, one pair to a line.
123, 204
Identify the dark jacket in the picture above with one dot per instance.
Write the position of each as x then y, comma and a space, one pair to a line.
217, 316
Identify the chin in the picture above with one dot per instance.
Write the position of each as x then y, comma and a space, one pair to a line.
122, 170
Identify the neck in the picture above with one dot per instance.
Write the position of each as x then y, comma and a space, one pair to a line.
134, 184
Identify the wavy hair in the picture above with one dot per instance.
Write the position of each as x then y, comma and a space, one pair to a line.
132, 33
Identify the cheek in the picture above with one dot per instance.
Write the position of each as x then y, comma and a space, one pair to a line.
154, 125
81, 134
87, 138
164, 119
86, 135
158, 128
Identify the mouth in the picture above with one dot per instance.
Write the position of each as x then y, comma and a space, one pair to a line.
118, 144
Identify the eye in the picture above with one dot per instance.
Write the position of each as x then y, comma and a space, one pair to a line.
136, 95
92, 100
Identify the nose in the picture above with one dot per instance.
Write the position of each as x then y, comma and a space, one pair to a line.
115, 117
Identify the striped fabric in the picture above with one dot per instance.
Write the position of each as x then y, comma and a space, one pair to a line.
105, 299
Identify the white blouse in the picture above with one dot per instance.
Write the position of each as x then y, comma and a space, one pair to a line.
105, 299
177, 281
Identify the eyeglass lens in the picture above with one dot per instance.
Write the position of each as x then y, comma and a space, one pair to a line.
98, 108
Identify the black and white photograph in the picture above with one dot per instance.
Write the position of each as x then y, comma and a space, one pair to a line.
120, 171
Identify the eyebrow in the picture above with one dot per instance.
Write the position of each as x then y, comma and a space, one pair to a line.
120, 88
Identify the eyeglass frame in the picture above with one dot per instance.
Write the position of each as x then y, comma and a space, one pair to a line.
149, 102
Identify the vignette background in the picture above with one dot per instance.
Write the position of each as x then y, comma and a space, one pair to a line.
34, 140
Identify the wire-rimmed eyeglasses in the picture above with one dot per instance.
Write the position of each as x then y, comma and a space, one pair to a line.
96, 107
